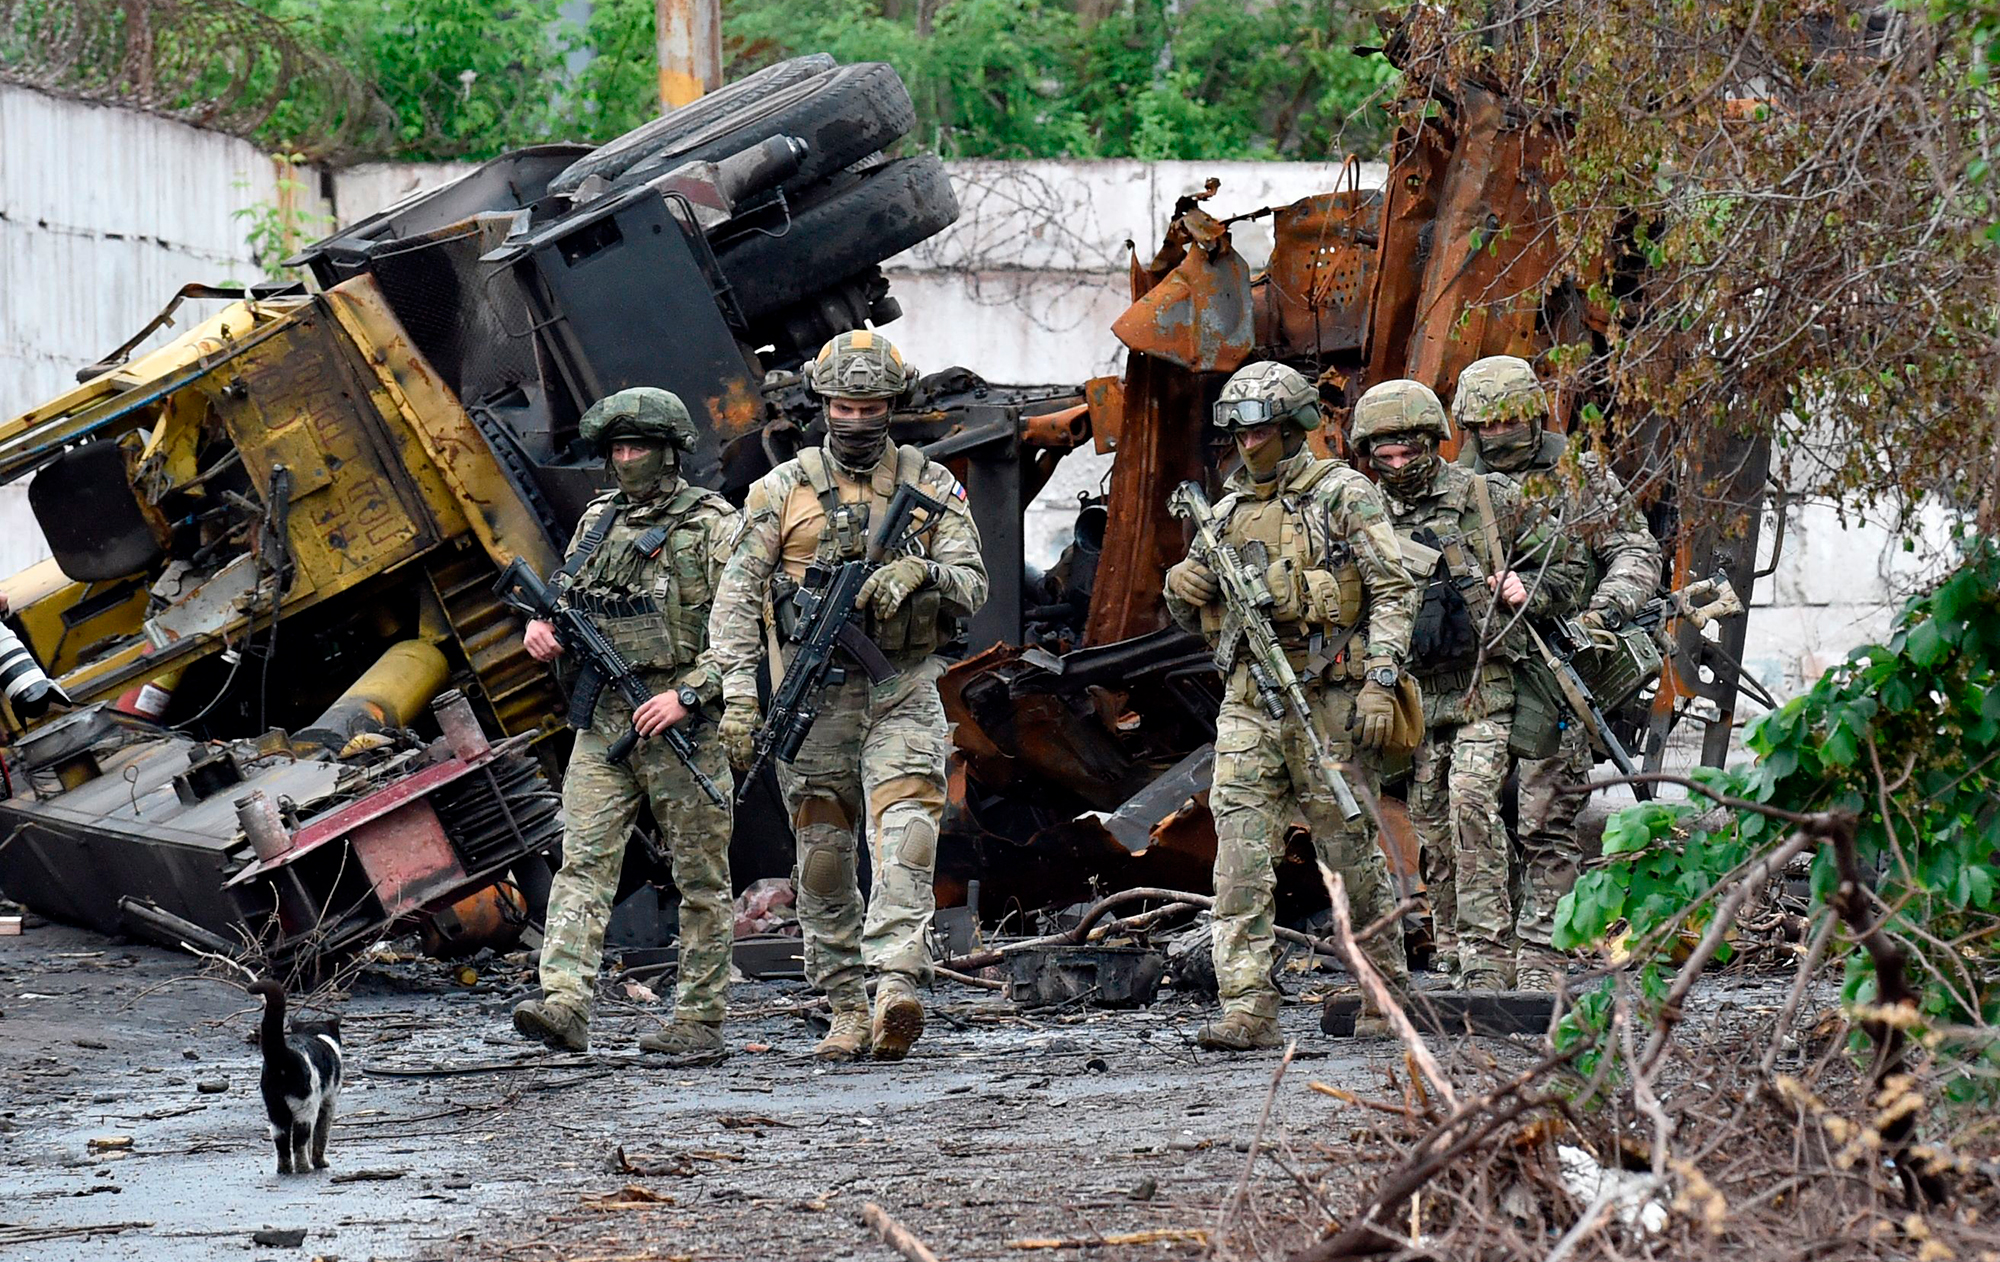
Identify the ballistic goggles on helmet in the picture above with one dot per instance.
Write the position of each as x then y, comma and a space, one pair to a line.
1244, 413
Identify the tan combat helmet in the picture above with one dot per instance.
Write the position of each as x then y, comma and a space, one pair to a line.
1398, 407
859, 364
1266, 391
1499, 388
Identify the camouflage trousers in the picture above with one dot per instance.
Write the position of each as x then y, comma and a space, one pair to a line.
1455, 785
600, 801
1549, 854
876, 755
1264, 778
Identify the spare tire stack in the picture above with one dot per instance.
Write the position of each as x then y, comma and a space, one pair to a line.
804, 266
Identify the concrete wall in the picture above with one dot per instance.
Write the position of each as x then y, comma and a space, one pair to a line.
104, 213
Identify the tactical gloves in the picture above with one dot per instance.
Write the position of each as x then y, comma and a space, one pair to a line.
1192, 583
887, 588
1374, 714
738, 731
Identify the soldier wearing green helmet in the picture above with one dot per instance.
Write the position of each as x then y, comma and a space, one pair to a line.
643, 564
1483, 555
1341, 606
1504, 412
876, 753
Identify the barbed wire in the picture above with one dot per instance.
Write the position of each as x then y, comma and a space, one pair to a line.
216, 64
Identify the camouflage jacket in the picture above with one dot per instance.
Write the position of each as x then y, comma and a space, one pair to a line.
1595, 509
649, 577
1553, 574
785, 526
1330, 556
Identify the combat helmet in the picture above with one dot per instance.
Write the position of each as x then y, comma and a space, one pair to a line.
1401, 406
859, 364
1265, 391
1498, 388
639, 412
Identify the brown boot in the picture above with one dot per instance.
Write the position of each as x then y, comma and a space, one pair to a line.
847, 1039
899, 1018
556, 1025
1238, 1032
684, 1038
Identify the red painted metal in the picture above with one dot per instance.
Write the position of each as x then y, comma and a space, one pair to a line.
407, 857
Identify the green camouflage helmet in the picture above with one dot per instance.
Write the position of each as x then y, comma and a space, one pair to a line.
1265, 391
639, 412
1401, 406
859, 364
1498, 388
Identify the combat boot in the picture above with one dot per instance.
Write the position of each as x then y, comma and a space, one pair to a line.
1538, 969
847, 1039
1238, 1032
899, 1018
1487, 977
557, 1025
684, 1038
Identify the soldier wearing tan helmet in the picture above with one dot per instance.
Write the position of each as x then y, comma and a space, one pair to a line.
642, 565
1342, 605
1486, 557
1504, 413
875, 758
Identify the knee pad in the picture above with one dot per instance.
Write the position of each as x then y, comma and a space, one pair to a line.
827, 869
918, 849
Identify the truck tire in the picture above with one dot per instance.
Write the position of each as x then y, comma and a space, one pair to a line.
886, 212
843, 116
613, 158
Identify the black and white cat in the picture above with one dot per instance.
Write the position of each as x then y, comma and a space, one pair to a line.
300, 1082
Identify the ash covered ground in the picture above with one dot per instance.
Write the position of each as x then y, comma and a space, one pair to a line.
458, 1140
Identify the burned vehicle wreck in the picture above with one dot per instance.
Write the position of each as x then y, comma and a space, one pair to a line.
301, 718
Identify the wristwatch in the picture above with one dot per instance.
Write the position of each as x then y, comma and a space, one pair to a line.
1383, 675
690, 700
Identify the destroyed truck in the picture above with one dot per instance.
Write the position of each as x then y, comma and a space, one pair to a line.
276, 536
299, 716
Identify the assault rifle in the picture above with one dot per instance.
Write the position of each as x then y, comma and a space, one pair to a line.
598, 664
1245, 599
1700, 602
827, 620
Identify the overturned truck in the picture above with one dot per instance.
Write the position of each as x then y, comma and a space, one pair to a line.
300, 718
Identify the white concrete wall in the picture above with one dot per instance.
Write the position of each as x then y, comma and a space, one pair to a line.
104, 213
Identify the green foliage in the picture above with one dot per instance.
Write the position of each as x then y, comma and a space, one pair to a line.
1210, 79
1904, 734
275, 229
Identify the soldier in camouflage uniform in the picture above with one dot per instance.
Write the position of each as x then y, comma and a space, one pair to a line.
1342, 607
1468, 636
1504, 412
876, 753
643, 565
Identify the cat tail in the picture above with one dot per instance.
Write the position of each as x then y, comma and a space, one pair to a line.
272, 1037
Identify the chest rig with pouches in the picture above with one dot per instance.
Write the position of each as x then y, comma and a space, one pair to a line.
1291, 543
646, 586
919, 626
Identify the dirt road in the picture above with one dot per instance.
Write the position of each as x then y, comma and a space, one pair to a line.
458, 1141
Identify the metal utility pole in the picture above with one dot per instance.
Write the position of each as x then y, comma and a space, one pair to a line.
690, 42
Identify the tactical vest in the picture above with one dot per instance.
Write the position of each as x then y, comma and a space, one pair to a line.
1445, 638
1290, 539
920, 625
646, 587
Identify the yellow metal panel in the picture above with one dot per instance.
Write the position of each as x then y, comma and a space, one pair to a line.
505, 526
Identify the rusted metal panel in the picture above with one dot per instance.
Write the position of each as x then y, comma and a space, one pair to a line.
1160, 446
1199, 317
1493, 247
407, 857
1316, 288
1106, 399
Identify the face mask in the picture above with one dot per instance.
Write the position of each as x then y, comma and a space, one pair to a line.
1262, 460
1413, 478
856, 442
1507, 450
642, 479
